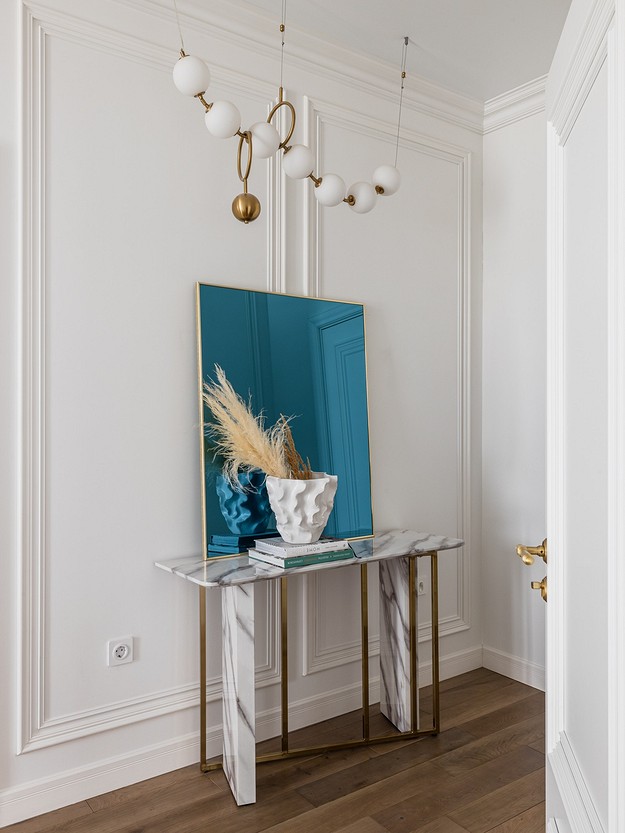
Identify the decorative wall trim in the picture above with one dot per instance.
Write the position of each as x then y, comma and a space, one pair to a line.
555, 451
580, 75
573, 83
315, 116
516, 668
70, 786
317, 656
255, 31
616, 423
35, 730
515, 105
581, 812
52, 731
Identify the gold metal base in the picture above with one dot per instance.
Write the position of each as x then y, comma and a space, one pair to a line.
366, 739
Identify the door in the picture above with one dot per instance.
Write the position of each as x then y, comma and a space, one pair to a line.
586, 461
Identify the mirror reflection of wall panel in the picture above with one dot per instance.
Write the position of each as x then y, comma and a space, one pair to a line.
302, 357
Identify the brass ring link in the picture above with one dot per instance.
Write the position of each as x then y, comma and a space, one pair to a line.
245, 137
283, 144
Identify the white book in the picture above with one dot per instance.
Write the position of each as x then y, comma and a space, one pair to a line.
278, 546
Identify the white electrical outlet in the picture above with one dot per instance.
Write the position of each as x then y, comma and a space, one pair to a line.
421, 588
120, 651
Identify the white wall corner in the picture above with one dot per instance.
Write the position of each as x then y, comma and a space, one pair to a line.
515, 105
516, 668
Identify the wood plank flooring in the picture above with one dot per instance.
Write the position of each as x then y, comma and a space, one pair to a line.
483, 774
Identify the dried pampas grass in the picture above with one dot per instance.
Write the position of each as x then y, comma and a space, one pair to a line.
299, 470
239, 436
242, 439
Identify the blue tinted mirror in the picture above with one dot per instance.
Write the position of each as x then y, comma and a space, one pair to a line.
302, 357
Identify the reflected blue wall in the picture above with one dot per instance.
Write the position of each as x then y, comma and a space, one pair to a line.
305, 358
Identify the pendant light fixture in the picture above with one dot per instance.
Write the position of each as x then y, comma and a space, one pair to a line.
262, 140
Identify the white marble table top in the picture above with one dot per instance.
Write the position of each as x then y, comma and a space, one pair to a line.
241, 569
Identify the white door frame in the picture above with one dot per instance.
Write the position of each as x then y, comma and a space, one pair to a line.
601, 39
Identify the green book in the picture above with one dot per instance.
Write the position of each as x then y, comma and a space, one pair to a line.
301, 560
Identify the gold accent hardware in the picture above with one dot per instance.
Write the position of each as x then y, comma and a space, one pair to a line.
207, 106
351, 200
379, 189
412, 627
528, 554
542, 586
315, 180
247, 138
366, 739
284, 664
245, 207
284, 144
436, 698
203, 677
364, 642
249, 210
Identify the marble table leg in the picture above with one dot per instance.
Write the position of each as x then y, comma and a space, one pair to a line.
395, 643
239, 758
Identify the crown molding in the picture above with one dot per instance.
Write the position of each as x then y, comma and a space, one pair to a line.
247, 28
573, 75
515, 105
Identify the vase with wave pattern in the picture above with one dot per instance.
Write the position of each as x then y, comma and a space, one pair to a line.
246, 511
302, 507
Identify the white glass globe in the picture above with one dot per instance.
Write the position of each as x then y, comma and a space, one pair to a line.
365, 196
265, 139
191, 75
388, 178
298, 162
223, 119
331, 191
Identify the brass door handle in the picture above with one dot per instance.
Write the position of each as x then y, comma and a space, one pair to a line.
542, 586
528, 554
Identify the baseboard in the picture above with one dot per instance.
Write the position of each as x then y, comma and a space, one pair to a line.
50, 793
68, 787
514, 667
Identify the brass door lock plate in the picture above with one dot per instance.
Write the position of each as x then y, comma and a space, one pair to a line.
542, 586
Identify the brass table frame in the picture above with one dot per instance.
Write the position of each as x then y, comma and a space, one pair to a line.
366, 738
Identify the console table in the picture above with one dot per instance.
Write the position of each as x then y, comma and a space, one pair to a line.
396, 552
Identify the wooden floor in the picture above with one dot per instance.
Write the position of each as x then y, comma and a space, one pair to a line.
484, 772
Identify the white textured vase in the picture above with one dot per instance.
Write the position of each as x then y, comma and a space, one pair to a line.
302, 507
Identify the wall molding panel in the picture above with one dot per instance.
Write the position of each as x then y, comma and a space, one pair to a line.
51, 731
70, 786
36, 730
317, 115
60, 37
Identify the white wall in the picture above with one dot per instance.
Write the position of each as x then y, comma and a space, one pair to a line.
514, 387
126, 201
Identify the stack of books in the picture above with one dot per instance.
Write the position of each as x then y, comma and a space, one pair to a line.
278, 552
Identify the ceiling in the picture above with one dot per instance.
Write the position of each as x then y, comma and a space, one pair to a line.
481, 48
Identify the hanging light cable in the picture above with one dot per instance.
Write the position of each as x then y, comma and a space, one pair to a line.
182, 52
223, 120
404, 55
